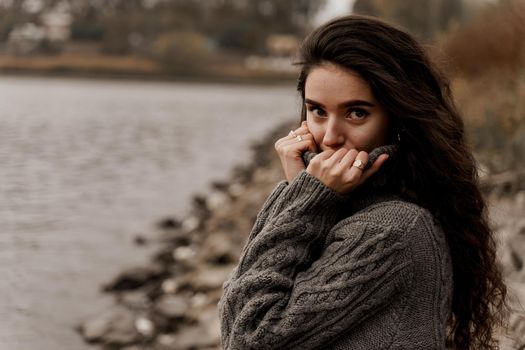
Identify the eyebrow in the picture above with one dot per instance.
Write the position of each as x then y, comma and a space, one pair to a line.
350, 103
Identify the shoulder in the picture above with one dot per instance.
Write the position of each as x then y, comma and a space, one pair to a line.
396, 214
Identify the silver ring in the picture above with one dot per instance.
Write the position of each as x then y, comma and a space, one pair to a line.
358, 164
299, 137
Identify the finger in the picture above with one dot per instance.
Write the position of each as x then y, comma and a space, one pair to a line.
312, 146
375, 167
348, 158
355, 173
324, 155
360, 161
292, 135
302, 129
296, 139
296, 147
305, 124
337, 156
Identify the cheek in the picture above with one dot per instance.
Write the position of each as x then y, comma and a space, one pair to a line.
372, 135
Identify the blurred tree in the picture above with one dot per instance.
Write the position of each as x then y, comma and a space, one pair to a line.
182, 52
244, 27
133, 26
87, 24
424, 18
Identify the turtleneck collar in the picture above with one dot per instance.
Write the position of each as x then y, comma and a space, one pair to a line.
378, 187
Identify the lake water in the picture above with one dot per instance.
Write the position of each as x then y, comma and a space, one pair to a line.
86, 165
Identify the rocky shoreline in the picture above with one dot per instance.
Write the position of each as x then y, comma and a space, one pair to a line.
171, 304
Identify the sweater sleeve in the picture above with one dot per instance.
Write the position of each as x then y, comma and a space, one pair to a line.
279, 297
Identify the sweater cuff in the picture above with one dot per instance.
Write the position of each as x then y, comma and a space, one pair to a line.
309, 194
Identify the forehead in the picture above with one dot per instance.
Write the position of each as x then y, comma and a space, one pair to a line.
329, 81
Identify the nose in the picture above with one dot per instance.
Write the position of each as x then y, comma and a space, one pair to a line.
333, 136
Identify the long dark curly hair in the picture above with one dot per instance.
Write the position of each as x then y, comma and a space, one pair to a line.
435, 167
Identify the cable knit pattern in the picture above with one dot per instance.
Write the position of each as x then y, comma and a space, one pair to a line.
380, 278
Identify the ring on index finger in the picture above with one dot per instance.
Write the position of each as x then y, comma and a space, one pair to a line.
299, 137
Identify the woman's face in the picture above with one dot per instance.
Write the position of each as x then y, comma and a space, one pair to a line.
341, 110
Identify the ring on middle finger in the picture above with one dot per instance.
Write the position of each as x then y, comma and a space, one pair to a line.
299, 137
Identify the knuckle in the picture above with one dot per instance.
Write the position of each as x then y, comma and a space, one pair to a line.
353, 178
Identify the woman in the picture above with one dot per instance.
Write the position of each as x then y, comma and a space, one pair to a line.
378, 238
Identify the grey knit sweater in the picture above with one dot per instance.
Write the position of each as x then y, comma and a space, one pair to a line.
321, 270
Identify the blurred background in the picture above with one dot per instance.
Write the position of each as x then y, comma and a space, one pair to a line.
114, 114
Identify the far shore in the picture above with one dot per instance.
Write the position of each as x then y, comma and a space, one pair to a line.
135, 68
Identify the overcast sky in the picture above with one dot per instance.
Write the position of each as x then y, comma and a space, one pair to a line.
333, 8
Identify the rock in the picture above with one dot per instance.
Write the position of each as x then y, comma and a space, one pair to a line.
236, 189
216, 200
209, 319
242, 173
145, 326
166, 341
217, 248
191, 224
183, 253
140, 240
187, 338
169, 223
198, 300
520, 199
115, 326
200, 207
132, 347
172, 306
169, 286
210, 277
135, 278
517, 319
136, 300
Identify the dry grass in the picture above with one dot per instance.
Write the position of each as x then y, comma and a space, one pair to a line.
487, 61
80, 63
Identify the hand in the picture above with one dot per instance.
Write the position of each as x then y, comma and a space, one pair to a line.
289, 149
335, 169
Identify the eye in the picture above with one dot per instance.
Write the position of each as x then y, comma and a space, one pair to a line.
318, 112
357, 113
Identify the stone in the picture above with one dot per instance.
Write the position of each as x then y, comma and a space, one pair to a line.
115, 326
198, 299
136, 300
140, 240
134, 278
210, 277
132, 347
183, 253
236, 189
216, 200
169, 286
187, 338
209, 319
168, 223
145, 326
217, 248
191, 223
172, 306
